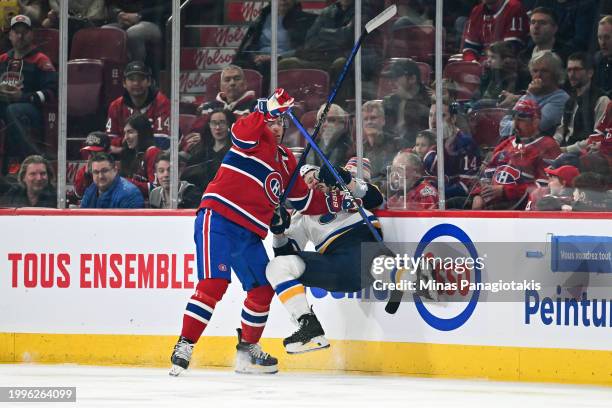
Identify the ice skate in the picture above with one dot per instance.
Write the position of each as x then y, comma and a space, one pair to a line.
251, 359
181, 356
309, 337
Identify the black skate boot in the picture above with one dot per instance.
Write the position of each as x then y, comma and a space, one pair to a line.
181, 356
251, 359
309, 337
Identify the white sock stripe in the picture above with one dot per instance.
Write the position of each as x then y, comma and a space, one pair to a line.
253, 324
195, 316
252, 313
202, 305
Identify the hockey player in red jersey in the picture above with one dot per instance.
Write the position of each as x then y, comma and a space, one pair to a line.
517, 163
236, 210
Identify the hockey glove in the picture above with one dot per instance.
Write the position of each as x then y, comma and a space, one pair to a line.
326, 176
280, 220
275, 105
337, 201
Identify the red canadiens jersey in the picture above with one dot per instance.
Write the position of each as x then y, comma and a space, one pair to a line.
252, 178
604, 133
157, 110
423, 196
508, 23
517, 166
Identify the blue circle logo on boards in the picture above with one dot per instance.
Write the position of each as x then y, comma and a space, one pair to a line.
447, 324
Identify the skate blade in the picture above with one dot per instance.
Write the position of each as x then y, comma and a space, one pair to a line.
316, 343
255, 369
175, 371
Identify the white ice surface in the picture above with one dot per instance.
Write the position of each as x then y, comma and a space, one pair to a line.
152, 387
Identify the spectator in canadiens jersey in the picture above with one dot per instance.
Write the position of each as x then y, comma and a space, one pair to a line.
138, 153
236, 210
109, 190
462, 158
494, 20
28, 80
517, 162
34, 188
420, 194
139, 97
233, 95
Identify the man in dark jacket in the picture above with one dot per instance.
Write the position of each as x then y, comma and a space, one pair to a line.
34, 188
109, 190
27, 81
254, 51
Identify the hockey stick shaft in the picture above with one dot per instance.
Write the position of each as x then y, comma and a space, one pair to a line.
369, 27
341, 182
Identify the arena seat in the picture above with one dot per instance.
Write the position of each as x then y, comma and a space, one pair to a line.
309, 87
47, 40
108, 45
416, 42
186, 122
466, 74
85, 86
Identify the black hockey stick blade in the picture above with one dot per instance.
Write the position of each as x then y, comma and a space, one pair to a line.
394, 301
381, 19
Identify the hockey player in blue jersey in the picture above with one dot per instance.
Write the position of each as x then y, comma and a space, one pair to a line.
337, 264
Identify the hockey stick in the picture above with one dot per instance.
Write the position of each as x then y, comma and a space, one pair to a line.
372, 25
341, 182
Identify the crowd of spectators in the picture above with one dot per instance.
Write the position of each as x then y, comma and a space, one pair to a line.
545, 67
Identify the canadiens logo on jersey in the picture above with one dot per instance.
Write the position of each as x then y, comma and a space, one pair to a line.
274, 187
506, 175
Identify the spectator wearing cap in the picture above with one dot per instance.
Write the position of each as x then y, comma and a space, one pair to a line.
420, 193
585, 107
109, 190
547, 76
407, 108
603, 58
34, 188
543, 29
138, 153
378, 146
95, 142
560, 185
517, 163
188, 194
139, 97
28, 80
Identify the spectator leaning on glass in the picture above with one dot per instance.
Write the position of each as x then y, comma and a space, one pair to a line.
139, 97
585, 108
109, 190
188, 194
547, 75
34, 188
27, 81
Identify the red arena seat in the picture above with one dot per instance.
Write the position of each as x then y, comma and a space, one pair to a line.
85, 84
484, 124
47, 40
310, 87
466, 74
